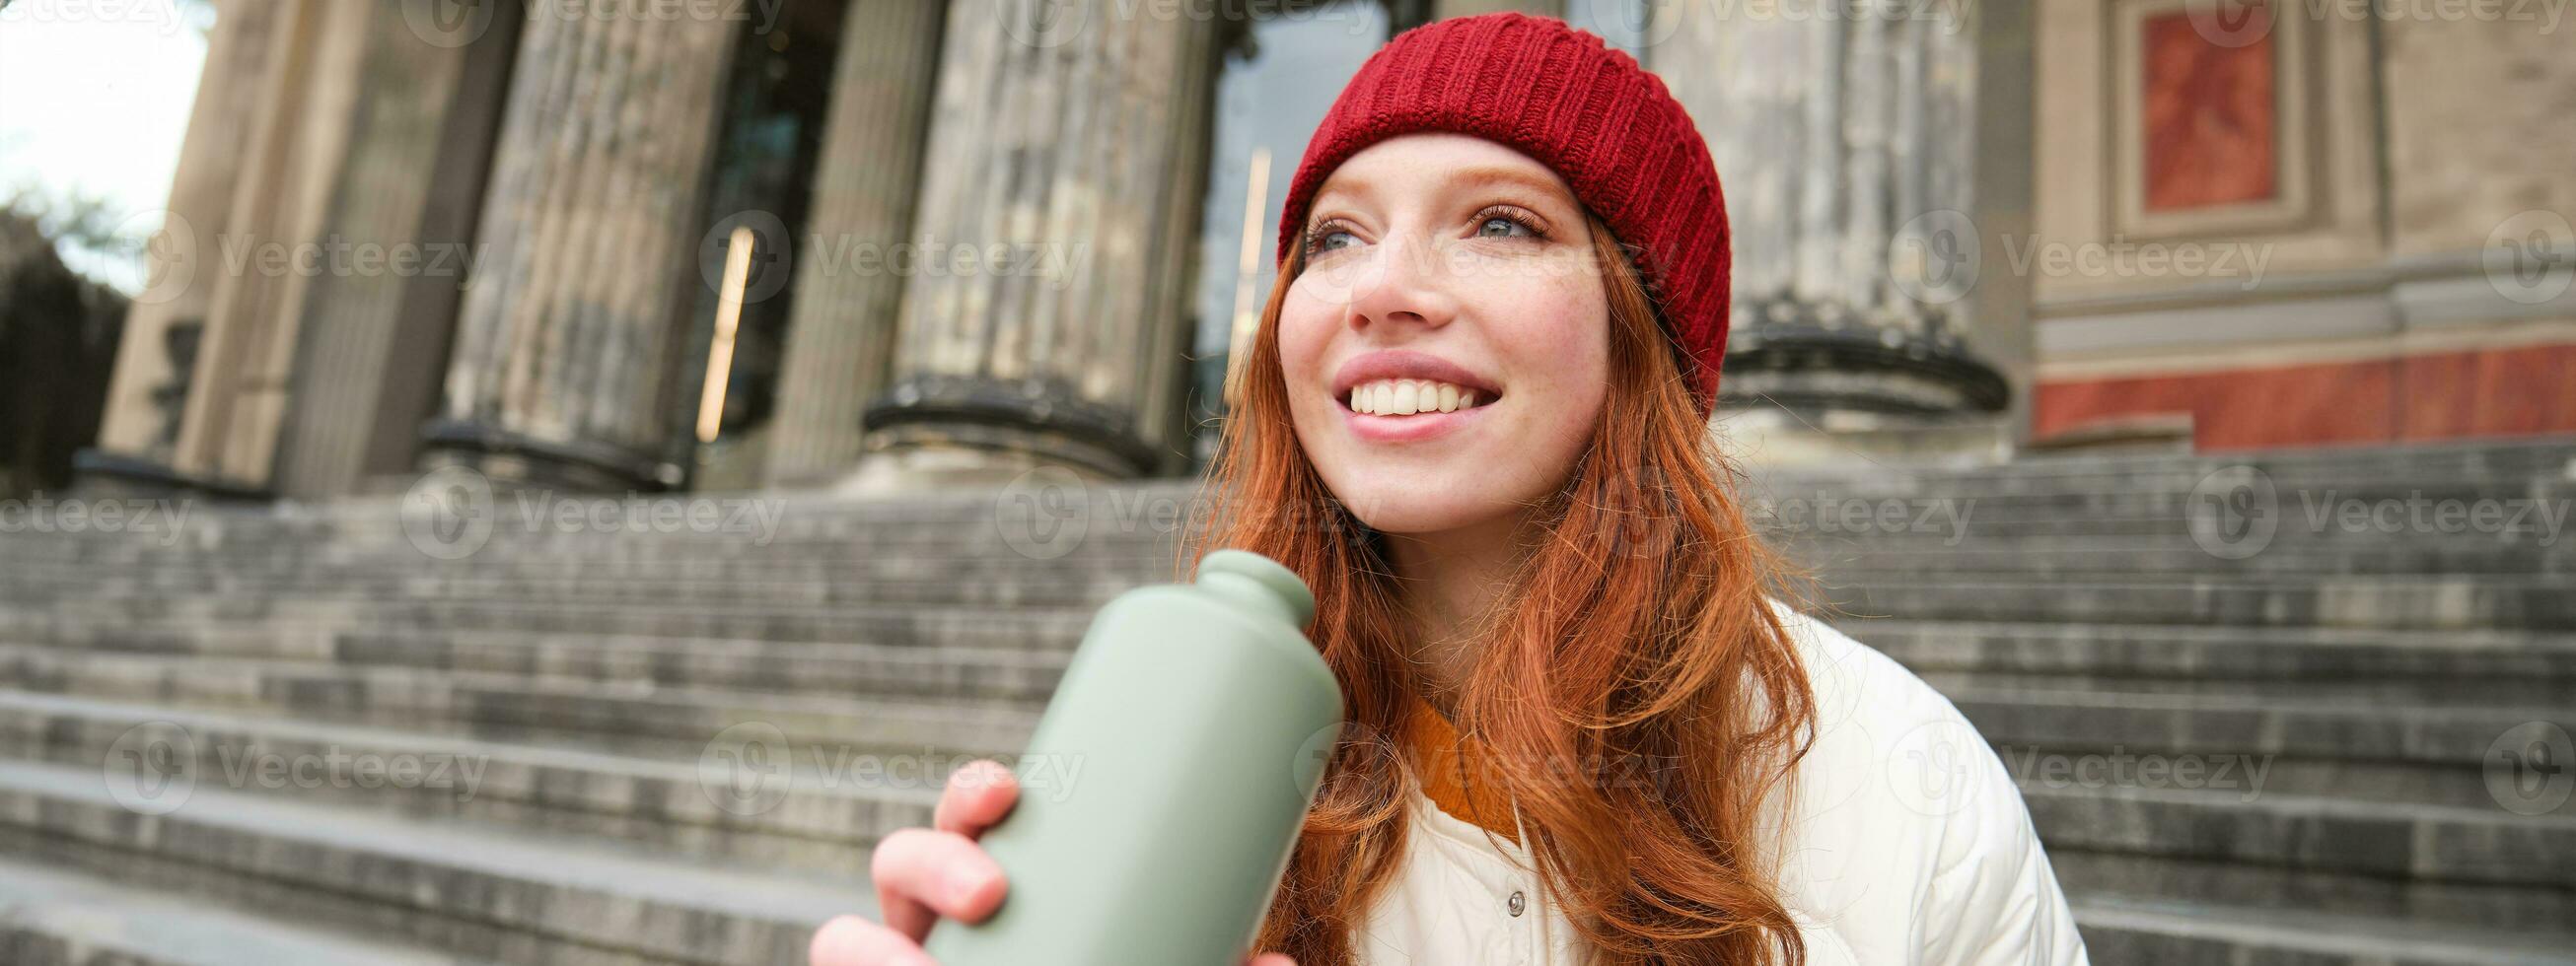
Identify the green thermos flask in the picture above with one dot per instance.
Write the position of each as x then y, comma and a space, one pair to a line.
1167, 780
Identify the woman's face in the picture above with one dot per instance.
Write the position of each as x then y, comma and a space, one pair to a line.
1447, 347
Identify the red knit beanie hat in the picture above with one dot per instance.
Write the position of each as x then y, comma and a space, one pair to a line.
1557, 94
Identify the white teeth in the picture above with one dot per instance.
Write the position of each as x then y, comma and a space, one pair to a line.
1405, 397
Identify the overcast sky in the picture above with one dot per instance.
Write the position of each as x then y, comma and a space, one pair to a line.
94, 97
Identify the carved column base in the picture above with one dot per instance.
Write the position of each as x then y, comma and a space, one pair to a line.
936, 430
98, 473
1810, 383
1817, 359
1760, 438
516, 460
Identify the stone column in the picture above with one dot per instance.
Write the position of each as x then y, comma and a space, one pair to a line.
400, 219
841, 328
1045, 295
1849, 149
140, 431
565, 344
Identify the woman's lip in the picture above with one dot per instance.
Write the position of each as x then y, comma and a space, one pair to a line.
1408, 429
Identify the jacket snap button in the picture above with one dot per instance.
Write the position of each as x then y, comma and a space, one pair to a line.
1516, 903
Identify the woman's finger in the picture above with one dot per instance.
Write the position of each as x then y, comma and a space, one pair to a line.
979, 794
854, 941
922, 875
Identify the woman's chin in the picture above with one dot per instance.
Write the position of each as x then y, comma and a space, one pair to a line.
1413, 511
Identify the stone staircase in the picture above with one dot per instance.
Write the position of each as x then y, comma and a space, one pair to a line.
363, 732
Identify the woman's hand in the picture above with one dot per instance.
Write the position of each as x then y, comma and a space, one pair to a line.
926, 874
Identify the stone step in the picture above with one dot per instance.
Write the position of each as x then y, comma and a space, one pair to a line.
684, 719
2426, 602
1006, 676
1038, 629
1841, 549
466, 889
2129, 931
2315, 835
2348, 521
51, 917
714, 609
2090, 559
1139, 516
749, 799
2409, 668
1077, 590
2281, 894
2432, 755
2449, 736
2463, 458
2212, 656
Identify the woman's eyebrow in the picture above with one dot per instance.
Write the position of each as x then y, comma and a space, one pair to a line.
1356, 189
1489, 175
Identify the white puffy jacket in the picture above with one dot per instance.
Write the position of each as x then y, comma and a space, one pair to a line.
1907, 844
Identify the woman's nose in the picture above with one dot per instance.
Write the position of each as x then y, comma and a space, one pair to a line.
1401, 280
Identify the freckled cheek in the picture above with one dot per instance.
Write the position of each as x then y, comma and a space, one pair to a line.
1302, 341
1551, 340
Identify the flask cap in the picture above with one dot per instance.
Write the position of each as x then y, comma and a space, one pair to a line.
1260, 582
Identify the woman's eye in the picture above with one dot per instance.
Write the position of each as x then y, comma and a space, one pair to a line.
1335, 239
1501, 227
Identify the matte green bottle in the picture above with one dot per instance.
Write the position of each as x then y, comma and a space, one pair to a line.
1166, 781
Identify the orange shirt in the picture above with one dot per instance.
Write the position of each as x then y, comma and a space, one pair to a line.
1452, 776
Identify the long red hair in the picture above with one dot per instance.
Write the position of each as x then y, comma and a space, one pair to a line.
1635, 696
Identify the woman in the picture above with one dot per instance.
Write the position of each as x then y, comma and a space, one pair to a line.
1583, 733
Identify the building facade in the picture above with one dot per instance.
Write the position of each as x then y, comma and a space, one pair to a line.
892, 244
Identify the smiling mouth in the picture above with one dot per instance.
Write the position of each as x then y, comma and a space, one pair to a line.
1408, 397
